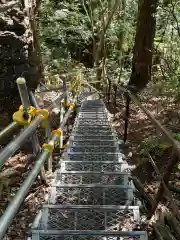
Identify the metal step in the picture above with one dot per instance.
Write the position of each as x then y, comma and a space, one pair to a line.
92, 132
85, 177
92, 113
93, 149
92, 124
82, 173
90, 121
88, 217
93, 110
93, 106
104, 126
84, 117
94, 142
93, 127
114, 157
108, 154
93, 166
93, 186
111, 137
91, 194
73, 139
88, 235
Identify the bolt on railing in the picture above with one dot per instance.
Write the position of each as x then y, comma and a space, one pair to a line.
48, 126
47, 129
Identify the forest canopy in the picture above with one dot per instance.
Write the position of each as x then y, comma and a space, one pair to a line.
101, 34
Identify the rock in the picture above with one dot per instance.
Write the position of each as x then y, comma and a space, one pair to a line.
17, 13
11, 39
18, 56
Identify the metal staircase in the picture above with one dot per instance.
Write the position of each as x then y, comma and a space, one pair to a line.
91, 196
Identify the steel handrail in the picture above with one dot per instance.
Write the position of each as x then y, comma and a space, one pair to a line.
14, 205
15, 144
8, 130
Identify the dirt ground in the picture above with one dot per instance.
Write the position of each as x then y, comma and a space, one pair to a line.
140, 127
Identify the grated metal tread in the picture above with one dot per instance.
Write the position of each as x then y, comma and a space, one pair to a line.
91, 197
92, 122
111, 137
99, 132
103, 154
90, 235
91, 142
93, 166
91, 127
114, 157
87, 177
81, 217
91, 194
94, 149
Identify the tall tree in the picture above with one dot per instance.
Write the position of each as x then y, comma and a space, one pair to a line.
143, 48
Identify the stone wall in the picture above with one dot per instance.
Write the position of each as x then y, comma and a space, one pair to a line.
18, 56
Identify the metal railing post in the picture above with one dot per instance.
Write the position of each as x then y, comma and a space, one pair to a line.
61, 118
48, 137
47, 130
65, 100
21, 83
126, 117
65, 91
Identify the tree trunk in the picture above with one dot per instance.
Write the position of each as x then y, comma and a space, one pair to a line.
18, 51
121, 37
109, 90
143, 49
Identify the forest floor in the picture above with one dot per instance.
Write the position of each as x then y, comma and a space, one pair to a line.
19, 166
140, 128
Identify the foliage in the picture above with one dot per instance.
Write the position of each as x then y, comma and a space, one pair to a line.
66, 33
153, 145
66, 36
167, 48
63, 31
